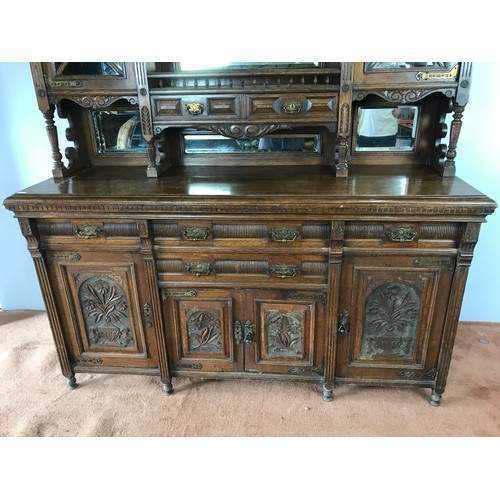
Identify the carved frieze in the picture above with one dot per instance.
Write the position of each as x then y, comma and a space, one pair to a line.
403, 96
244, 131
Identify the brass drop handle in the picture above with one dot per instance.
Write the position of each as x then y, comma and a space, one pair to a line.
238, 332
87, 231
194, 108
292, 107
248, 332
343, 326
284, 270
401, 234
284, 234
199, 268
196, 233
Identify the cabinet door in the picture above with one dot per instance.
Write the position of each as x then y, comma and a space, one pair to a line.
284, 332
392, 312
105, 308
203, 333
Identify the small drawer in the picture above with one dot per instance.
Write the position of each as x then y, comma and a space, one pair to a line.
292, 106
395, 234
196, 107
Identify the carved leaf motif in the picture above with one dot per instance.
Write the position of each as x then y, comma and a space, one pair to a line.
391, 318
204, 331
284, 334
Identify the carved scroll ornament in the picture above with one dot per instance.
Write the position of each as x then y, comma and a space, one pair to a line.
244, 131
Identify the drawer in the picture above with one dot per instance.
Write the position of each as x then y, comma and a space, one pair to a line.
196, 107
293, 106
402, 234
272, 234
88, 231
242, 267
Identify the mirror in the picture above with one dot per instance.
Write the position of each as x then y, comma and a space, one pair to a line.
281, 143
90, 68
218, 64
373, 66
386, 128
118, 131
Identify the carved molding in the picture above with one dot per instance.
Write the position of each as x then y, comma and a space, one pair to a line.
209, 208
147, 128
402, 95
244, 131
96, 102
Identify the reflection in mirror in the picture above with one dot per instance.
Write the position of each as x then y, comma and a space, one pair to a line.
386, 128
404, 65
282, 143
89, 68
199, 66
118, 131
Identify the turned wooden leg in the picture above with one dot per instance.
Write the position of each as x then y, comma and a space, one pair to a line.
327, 393
167, 389
72, 383
435, 399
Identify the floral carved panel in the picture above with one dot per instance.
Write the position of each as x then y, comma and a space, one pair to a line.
105, 309
392, 313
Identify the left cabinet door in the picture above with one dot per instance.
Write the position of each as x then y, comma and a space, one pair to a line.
105, 308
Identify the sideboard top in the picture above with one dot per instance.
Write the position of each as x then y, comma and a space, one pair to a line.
301, 190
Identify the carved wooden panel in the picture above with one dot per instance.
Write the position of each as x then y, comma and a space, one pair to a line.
284, 332
392, 312
105, 309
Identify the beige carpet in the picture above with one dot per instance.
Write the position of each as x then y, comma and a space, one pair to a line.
35, 401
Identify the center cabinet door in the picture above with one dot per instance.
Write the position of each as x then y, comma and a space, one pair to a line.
201, 332
284, 332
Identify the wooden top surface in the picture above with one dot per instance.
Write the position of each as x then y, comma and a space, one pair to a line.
257, 187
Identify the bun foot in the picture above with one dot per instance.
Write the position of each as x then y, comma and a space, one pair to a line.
435, 399
327, 394
167, 389
72, 383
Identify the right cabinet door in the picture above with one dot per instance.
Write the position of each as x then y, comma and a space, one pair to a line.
391, 316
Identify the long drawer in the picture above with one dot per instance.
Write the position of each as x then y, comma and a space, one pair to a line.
271, 234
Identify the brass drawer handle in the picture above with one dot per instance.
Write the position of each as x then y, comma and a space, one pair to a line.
401, 234
87, 231
292, 107
283, 234
284, 270
199, 268
196, 233
194, 108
